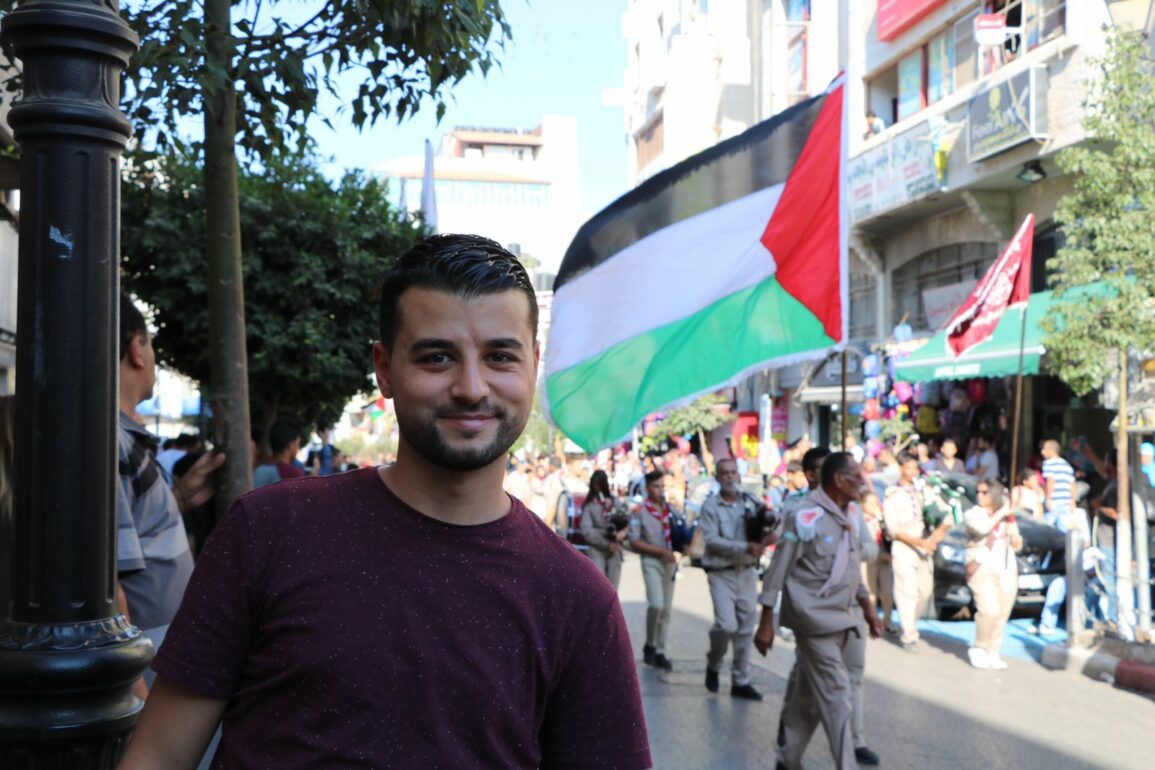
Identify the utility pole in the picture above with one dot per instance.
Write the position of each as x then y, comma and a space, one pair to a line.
67, 657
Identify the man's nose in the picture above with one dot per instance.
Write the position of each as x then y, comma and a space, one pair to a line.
469, 384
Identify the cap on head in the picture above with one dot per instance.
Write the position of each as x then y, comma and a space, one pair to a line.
464, 265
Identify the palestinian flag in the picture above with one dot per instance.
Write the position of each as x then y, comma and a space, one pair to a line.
731, 262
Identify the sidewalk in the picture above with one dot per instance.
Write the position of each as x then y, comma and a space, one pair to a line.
1128, 665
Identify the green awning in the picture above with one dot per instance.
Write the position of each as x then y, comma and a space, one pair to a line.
995, 357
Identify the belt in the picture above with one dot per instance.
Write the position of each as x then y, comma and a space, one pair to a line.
727, 569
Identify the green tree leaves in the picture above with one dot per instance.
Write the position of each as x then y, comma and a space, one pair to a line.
1107, 222
314, 255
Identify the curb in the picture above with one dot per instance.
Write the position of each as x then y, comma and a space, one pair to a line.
1100, 665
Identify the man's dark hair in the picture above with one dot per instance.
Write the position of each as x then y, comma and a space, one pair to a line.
906, 457
282, 433
835, 463
812, 460
653, 476
186, 441
464, 265
131, 324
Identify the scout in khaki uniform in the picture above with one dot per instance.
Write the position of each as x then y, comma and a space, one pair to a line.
816, 570
650, 536
730, 560
911, 552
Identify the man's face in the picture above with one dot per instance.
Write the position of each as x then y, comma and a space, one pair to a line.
851, 482
910, 470
656, 490
147, 362
796, 480
728, 478
461, 375
949, 450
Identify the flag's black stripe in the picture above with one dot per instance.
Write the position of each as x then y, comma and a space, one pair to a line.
758, 158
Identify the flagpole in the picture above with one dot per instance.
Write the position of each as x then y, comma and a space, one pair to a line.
1019, 399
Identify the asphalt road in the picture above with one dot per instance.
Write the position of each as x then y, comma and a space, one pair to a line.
927, 710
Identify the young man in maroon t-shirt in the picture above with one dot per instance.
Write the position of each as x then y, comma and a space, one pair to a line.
400, 616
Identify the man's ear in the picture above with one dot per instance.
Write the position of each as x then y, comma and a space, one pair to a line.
381, 368
135, 354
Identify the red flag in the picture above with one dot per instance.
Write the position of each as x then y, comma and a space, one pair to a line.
1007, 283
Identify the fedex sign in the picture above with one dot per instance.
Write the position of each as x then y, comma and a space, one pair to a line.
895, 16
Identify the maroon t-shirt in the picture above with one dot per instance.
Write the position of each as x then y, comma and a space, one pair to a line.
348, 630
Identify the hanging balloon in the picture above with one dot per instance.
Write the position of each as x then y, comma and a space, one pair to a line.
870, 388
977, 391
855, 409
919, 394
873, 429
883, 382
903, 391
889, 401
903, 333
870, 409
874, 447
903, 410
889, 413
870, 365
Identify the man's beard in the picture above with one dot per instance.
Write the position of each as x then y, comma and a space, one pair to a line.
428, 441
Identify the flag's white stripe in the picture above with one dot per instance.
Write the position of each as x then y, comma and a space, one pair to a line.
668, 275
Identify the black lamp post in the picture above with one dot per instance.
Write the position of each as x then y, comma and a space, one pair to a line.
67, 658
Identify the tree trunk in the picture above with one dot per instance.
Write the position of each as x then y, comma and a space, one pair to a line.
227, 354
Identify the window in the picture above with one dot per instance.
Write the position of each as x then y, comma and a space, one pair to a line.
910, 84
1040, 21
939, 67
797, 38
649, 143
939, 267
863, 306
965, 50
882, 96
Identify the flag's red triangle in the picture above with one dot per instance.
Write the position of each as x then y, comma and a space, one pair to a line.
804, 231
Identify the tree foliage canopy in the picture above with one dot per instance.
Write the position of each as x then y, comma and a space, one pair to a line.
1107, 222
315, 253
379, 58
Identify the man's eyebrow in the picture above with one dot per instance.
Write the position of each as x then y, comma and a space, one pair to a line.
505, 343
431, 343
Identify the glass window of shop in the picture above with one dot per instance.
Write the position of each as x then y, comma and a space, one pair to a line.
939, 67
965, 61
943, 266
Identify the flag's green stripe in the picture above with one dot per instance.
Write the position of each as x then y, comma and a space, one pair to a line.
599, 400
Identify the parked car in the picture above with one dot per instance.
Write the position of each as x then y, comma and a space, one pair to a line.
1041, 561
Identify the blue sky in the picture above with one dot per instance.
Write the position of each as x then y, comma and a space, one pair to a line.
562, 56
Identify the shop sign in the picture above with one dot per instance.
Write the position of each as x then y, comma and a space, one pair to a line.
896, 16
940, 303
1007, 114
892, 173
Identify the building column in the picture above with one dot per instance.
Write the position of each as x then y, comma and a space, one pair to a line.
67, 657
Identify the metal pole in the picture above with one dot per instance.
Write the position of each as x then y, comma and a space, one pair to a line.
67, 658
1140, 505
842, 423
1124, 585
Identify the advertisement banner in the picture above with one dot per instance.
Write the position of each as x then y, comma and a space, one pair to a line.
1007, 114
892, 173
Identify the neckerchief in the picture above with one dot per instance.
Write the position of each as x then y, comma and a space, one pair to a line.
842, 552
663, 515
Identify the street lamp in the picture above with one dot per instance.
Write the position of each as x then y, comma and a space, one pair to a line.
1135, 14
67, 657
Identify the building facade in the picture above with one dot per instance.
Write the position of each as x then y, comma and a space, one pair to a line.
518, 187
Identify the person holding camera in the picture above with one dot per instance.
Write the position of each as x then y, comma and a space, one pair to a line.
604, 527
651, 527
736, 529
